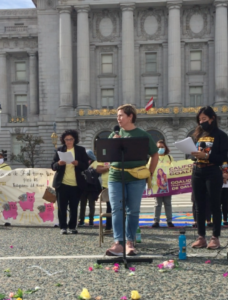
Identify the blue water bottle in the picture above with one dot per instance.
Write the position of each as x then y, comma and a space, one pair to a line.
182, 245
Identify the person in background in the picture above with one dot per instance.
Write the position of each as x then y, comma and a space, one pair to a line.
224, 196
126, 117
3, 165
68, 180
103, 168
164, 157
207, 179
90, 193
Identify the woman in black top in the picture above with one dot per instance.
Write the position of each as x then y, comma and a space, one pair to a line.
212, 145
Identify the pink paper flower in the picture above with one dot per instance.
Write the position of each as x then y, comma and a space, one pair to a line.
116, 265
124, 298
225, 274
207, 262
107, 268
170, 266
11, 247
90, 269
132, 269
160, 266
115, 268
11, 295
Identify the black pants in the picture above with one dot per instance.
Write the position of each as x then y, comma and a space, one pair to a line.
86, 195
108, 219
224, 203
208, 210
67, 194
207, 180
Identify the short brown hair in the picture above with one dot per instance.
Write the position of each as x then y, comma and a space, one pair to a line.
129, 109
166, 147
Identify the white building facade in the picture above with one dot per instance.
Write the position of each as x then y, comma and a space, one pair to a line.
73, 62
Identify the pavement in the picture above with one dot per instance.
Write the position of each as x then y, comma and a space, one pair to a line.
59, 266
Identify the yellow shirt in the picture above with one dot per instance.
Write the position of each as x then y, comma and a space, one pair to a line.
104, 176
167, 159
5, 167
69, 177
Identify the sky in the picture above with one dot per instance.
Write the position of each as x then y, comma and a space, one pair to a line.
7, 4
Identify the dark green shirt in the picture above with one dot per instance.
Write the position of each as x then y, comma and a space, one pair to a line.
115, 175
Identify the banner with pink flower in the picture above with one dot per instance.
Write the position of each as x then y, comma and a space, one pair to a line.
21, 192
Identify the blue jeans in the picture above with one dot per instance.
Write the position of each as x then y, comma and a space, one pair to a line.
133, 196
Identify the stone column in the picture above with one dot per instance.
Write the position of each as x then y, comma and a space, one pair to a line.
83, 56
65, 58
33, 103
164, 73
3, 86
221, 52
211, 72
128, 57
174, 54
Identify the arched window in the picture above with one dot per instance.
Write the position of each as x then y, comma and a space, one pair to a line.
101, 135
156, 135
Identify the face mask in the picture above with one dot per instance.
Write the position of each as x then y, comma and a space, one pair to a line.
205, 125
1, 161
161, 151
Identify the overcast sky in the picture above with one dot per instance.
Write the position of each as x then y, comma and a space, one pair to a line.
5, 4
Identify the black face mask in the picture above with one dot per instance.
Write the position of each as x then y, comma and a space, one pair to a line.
205, 126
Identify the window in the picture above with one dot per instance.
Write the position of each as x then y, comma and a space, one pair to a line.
20, 71
16, 145
151, 62
156, 135
107, 98
107, 63
195, 95
149, 92
196, 61
21, 105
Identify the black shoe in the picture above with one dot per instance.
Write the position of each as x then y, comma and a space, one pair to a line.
72, 231
155, 225
225, 223
90, 223
81, 224
63, 231
209, 224
170, 224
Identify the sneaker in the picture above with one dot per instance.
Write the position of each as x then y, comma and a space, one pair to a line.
115, 250
170, 224
209, 224
155, 225
63, 231
81, 224
72, 231
214, 243
130, 250
200, 243
225, 223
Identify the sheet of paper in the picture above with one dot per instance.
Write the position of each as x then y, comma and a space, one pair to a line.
66, 156
186, 146
225, 185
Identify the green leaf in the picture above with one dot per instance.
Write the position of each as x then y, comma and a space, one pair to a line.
19, 294
8, 275
2, 296
30, 291
7, 270
58, 284
97, 266
164, 270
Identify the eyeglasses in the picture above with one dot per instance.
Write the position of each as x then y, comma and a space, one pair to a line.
68, 140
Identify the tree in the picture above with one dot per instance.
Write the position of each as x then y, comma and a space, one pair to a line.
30, 150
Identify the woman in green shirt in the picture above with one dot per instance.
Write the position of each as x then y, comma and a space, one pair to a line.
126, 117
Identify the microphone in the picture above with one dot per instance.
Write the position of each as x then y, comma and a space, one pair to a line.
116, 129
202, 145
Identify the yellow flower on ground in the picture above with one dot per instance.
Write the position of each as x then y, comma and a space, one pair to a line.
85, 294
19, 298
135, 295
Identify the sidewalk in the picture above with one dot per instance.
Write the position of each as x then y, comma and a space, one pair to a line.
195, 279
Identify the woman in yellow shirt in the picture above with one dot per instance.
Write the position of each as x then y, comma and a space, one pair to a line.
68, 180
3, 165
